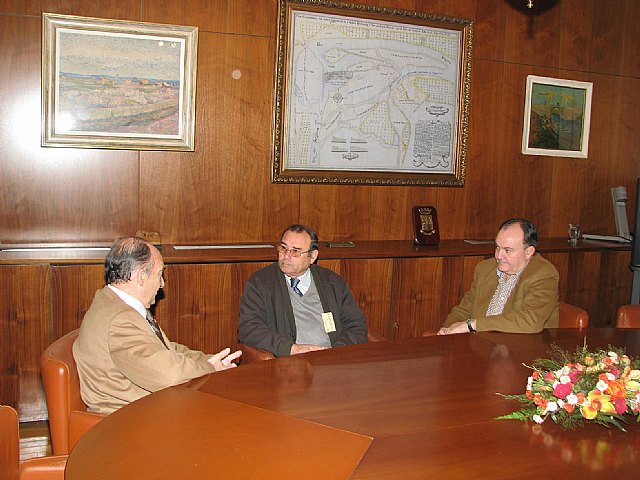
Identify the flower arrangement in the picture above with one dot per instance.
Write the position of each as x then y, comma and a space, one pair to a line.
600, 386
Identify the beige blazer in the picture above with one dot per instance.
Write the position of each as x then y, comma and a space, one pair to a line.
120, 359
532, 305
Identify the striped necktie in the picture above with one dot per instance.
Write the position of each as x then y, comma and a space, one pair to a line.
155, 327
294, 285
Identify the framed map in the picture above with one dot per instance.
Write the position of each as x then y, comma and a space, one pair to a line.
116, 84
557, 115
370, 95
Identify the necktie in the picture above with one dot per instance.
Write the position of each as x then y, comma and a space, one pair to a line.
294, 285
155, 327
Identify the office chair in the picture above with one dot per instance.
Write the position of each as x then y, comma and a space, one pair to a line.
68, 415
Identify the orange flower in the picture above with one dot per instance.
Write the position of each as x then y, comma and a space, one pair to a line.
616, 389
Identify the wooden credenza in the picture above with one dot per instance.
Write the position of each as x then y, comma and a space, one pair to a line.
403, 290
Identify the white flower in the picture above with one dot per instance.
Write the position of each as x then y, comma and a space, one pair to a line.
610, 376
538, 419
551, 407
634, 374
613, 356
602, 385
565, 379
572, 399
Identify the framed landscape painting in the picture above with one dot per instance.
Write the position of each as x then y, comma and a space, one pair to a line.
117, 84
370, 95
557, 116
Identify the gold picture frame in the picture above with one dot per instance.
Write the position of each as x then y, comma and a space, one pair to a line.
557, 117
370, 95
117, 84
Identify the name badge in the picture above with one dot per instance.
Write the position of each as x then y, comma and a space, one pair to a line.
329, 324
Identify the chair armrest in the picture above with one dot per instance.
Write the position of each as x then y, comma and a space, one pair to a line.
375, 337
80, 423
430, 333
44, 468
252, 354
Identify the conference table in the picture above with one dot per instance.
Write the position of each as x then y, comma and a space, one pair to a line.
407, 409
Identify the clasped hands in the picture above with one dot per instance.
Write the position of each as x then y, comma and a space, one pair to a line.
224, 359
304, 348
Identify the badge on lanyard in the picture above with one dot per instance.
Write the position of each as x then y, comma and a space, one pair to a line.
329, 324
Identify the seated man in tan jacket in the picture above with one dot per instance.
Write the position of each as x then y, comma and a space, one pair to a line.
517, 292
121, 352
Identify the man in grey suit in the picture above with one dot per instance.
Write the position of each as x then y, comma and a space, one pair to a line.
121, 352
292, 306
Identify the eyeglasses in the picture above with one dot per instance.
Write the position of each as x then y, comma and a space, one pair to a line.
294, 252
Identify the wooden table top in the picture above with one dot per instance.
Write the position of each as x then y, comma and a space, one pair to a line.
429, 404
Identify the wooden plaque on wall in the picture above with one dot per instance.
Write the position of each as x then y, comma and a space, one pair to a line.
425, 226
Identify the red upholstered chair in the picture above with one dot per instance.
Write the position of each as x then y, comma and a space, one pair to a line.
43, 468
68, 415
251, 354
628, 316
571, 316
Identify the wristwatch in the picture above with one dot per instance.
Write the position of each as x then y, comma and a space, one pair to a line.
470, 326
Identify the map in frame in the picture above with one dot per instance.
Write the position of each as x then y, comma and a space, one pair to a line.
369, 100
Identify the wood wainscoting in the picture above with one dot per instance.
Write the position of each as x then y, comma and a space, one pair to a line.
404, 290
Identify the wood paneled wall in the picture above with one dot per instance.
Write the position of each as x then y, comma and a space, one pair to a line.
222, 192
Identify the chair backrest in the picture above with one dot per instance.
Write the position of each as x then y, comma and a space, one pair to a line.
62, 391
9, 444
42, 468
628, 316
571, 316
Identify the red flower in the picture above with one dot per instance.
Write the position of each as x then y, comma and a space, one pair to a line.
574, 375
563, 389
620, 405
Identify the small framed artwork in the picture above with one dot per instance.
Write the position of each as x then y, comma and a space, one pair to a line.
117, 84
557, 114
370, 95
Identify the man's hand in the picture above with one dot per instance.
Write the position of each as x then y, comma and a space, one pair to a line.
224, 359
458, 327
303, 348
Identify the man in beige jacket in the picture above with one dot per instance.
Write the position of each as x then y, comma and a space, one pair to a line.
516, 292
121, 352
